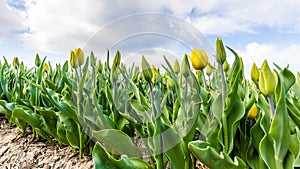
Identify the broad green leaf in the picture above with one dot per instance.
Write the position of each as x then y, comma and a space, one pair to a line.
27, 115
214, 160
117, 141
288, 78
103, 160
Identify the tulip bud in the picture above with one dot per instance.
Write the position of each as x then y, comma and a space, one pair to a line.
170, 83
154, 74
66, 66
253, 112
220, 51
100, 66
92, 59
46, 67
24, 89
254, 73
298, 77
147, 72
226, 66
176, 66
37, 60
80, 56
167, 74
208, 70
16, 62
73, 60
185, 67
199, 59
117, 59
241, 91
116, 63
267, 81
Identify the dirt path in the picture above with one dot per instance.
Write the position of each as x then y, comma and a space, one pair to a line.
21, 150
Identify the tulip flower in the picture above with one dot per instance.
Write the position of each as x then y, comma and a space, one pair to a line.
73, 60
154, 74
80, 56
147, 72
253, 112
267, 81
199, 59
208, 70
254, 73
115, 65
46, 67
170, 83
220, 51
16, 62
176, 66
185, 67
37, 60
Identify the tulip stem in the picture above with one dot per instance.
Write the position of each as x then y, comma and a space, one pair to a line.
158, 123
223, 86
224, 119
204, 80
80, 71
185, 89
272, 109
77, 76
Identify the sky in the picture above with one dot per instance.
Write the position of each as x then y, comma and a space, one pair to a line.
256, 29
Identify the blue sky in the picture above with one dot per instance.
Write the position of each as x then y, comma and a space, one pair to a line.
256, 29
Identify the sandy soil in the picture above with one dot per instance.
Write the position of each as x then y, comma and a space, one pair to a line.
21, 151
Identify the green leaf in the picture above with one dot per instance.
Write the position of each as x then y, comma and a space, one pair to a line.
288, 78
72, 132
118, 141
27, 115
103, 160
214, 160
275, 144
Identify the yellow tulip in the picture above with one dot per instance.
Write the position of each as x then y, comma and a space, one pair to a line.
25, 89
154, 74
80, 56
176, 66
170, 83
16, 62
199, 59
267, 81
253, 112
46, 67
73, 60
254, 73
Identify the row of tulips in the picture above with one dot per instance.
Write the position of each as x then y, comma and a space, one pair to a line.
199, 111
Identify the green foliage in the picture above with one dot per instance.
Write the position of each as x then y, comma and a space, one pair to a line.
104, 110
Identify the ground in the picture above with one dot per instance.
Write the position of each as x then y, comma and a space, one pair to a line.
21, 150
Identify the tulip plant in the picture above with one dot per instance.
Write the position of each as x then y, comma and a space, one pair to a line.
183, 112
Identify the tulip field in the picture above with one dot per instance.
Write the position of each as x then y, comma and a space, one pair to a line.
187, 111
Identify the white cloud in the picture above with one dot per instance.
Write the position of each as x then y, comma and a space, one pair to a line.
61, 25
11, 20
220, 25
282, 56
